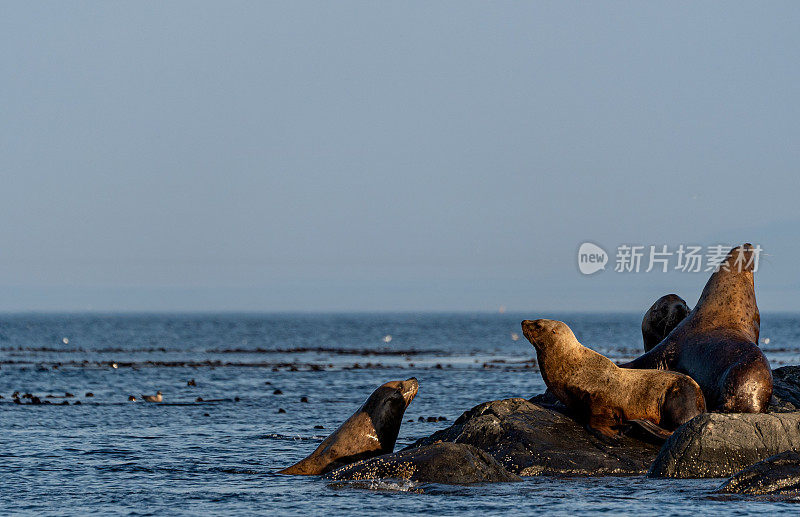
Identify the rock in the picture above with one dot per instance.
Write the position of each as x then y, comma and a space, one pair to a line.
785, 389
718, 445
441, 462
779, 474
530, 440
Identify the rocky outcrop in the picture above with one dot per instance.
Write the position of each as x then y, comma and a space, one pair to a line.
531, 440
440, 462
718, 445
785, 389
777, 475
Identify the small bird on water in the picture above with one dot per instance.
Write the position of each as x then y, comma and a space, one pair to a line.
153, 398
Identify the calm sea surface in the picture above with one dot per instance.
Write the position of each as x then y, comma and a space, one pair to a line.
109, 455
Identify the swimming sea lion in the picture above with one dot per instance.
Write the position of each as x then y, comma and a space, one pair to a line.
153, 398
716, 343
604, 396
661, 318
371, 431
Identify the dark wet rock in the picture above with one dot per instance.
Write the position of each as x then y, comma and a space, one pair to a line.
65, 403
531, 440
431, 419
776, 475
68, 395
549, 401
131, 398
89, 394
191, 382
77, 403
277, 392
303, 399
319, 427
421, 419
441, 462
236, 399
199, 399
785, 389
718, 445
281, 410
442, 419
206, 414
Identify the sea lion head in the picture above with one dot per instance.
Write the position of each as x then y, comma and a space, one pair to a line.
386, 407
542, 333
663, 316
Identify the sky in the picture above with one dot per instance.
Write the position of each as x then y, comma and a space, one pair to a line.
390, 156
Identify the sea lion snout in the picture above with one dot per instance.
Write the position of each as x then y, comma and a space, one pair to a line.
741, 259
410, 387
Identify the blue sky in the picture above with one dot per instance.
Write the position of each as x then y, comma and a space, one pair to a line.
278, 156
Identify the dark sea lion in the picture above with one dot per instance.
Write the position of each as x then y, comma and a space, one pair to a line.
661, 318
716, 343
371, 431
604, 396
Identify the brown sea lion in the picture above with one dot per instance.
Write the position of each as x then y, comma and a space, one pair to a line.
604, 396
371, 431
661, 318
716, 343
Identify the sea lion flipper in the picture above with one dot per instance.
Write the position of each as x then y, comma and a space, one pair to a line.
652, 430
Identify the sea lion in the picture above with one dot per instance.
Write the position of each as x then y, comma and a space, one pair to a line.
604, 396
371, 431
661, 318
158, 397
716, 343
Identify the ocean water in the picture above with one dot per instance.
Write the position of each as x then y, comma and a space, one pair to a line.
111, 456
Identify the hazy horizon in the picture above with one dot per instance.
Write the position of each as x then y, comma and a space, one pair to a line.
360, 156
